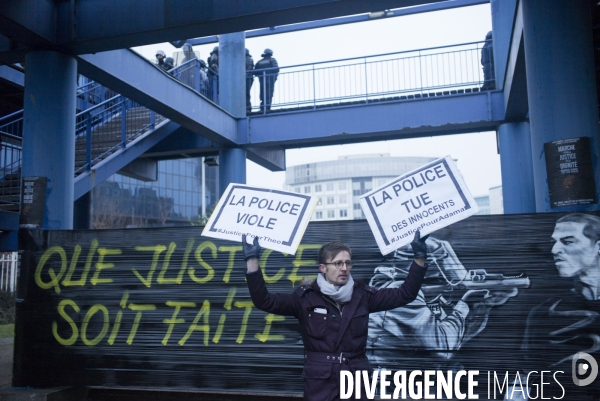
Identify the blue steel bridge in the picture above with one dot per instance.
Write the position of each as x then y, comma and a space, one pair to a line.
113, 129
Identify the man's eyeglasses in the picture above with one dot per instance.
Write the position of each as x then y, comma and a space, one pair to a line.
339, 263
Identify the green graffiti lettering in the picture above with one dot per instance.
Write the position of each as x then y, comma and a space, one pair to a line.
231, 262
298, 262
177, 280
173, 320
54, 279
157, 249
61, 311
88, 264
101, 265
248, 305
204, 312
86, 321
265, 335
227, 306
263, 263
117, 325
210, 272
138, 317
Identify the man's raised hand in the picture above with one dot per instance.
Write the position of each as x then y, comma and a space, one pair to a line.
252, 250
418, 245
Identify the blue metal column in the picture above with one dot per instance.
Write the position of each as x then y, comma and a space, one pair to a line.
518, 190
232, 97
503, 14
561, 84
49, 131
232, 73
232, 167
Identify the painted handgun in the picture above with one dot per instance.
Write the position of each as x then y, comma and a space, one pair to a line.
477, 279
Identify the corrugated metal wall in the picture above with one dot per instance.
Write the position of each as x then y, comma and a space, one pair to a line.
169, 309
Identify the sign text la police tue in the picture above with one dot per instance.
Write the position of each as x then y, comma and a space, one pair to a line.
426, 199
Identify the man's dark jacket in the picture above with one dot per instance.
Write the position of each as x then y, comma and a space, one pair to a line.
334, 335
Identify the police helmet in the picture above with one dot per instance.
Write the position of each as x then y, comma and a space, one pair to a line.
160, 53
186, 47
215, 50
489, 35
267, 52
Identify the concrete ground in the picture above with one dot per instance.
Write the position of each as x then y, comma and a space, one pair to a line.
6, 360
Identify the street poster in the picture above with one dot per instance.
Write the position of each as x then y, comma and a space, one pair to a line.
278, 218
570, 172
33, 201
425, 199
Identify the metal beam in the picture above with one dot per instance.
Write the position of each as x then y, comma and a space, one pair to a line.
515, 82
9, 56
32, 23
503, 17
182, 143
100, 172
379, 121
12, 76
90, 26
131, 75
270, 157
372, 16
141, 169
130, 23
11, 51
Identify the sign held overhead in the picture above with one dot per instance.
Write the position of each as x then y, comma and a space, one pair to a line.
426, 199
277, 218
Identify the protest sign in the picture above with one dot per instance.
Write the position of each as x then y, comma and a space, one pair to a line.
426, 199
278, 218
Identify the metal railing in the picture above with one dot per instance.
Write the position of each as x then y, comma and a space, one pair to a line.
12, 124
8, 271
416, 73
11, 128
108, 121
91, 93
108, 126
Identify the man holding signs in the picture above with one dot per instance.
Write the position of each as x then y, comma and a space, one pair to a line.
333, 312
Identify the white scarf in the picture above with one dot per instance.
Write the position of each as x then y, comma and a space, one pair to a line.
340, 294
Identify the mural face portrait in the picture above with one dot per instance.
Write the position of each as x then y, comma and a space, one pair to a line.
334, 275
574, 253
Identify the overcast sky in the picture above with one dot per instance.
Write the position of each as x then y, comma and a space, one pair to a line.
477, 155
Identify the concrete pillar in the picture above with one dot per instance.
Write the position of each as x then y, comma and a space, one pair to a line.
49, 131
518, 190
561, 84
232, 167
232, 97
503, 13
